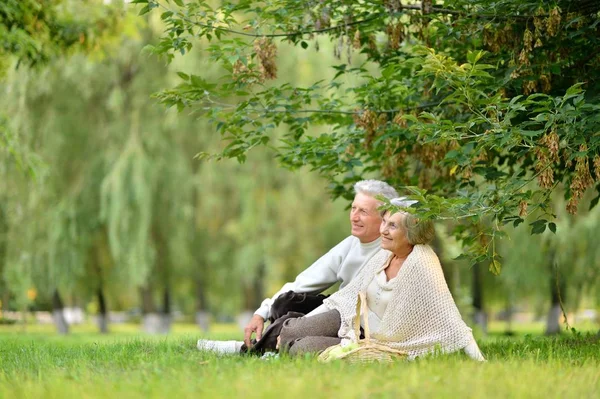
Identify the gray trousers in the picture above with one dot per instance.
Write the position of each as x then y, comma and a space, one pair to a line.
310, 334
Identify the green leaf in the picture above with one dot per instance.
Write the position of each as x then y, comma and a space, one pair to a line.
575, 89
198, 81
146, 9
495, 266
538, 227
552, 227
462, 256
233, 58
303, 44
178, 2
474, 56
594, 202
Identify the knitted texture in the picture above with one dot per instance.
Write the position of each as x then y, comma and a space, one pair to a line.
421, 316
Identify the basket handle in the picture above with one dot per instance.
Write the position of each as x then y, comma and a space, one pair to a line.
362, 308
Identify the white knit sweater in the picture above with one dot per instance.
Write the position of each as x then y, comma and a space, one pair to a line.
340, 264
420, 318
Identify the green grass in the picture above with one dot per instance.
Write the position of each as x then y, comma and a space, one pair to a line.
126, 364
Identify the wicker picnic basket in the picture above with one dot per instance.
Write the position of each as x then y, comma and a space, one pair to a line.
365, 350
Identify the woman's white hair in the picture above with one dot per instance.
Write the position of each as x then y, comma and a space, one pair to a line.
375, 188
402, 202
417, 231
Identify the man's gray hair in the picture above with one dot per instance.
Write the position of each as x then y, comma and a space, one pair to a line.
375, 188
417, 231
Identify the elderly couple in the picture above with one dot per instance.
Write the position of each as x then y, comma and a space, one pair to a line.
388, 258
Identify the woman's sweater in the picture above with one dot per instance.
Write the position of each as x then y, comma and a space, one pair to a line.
421, 316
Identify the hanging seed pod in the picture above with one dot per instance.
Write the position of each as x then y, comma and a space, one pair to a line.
527, 40
523, 209
340, 47
553, 22
542, 166
551, 142
266, 52
597, 167
398, 35
356, 40
581, 181
545, 82
426, 6
529, 86
524, 58
399, 119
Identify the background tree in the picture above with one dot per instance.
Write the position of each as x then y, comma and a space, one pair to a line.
32, 32
121, 206
553, 273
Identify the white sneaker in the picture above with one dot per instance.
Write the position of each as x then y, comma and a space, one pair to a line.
220, 347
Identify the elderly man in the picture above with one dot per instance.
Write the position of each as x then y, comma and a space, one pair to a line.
340, 264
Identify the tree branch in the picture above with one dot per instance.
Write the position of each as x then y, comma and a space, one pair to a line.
286, 34
414, 7
356, 112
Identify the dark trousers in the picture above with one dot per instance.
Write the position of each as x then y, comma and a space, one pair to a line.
286, 306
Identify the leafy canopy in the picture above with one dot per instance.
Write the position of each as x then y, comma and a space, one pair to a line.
478, 109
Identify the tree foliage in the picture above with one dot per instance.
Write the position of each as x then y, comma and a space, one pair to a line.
33, 32
480, 109
120, 203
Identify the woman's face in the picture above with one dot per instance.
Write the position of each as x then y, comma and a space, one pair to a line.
393, 236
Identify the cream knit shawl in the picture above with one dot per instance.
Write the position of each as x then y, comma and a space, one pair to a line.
421, 316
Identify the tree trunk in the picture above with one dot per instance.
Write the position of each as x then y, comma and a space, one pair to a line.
154, 322
479, 315
167, 301
5, 299
150, 318
147, 300
253, 296
202, 316
58, 314
447, 267
553, 321
4, 293
509, 317
166, 316
557, 291
102, 312
254, 292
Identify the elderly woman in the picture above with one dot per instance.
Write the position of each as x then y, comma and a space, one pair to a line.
410, 306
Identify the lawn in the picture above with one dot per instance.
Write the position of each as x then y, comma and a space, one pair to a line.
37, 364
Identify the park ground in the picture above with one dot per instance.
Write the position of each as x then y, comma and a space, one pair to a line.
37, 363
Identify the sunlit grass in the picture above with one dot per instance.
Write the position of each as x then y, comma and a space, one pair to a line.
88, 332
232, 331
127, 363
141, 367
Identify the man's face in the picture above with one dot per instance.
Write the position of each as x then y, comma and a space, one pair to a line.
364, 218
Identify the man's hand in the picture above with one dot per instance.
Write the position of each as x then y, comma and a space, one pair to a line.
255, 325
